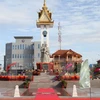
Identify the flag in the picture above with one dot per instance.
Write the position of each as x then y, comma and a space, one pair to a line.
69, 66
84, 75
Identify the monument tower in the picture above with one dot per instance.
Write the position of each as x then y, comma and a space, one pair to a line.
44, 22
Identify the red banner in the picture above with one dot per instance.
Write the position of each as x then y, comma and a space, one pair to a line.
9, 66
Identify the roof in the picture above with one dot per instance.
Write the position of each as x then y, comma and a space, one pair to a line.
60, 52
44, 16
98, 61
23, 37
63, 53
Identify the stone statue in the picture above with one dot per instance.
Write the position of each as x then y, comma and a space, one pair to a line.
45, 57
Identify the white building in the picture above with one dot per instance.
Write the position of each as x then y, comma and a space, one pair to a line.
23, 52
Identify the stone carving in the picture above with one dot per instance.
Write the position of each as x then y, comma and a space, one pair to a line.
45, 57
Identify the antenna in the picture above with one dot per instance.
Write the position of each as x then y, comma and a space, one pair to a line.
59, 35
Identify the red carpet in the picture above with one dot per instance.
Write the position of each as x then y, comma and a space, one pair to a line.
51, 99
46, 94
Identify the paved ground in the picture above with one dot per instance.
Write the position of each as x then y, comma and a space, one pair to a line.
46, 81
94, 91
7, 88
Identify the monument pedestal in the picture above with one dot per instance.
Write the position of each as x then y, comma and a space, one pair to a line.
45, 66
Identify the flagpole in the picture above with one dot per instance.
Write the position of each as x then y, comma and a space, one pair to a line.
90, 85
90, 88
59, 35
90, 93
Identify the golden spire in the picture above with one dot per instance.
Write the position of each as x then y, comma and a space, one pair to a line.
44, 2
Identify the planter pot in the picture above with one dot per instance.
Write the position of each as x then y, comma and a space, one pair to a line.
64, 86
77, 77
26, 85
66, 77
73, 77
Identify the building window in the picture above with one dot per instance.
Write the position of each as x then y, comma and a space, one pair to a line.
12, 55
69, 57
32, 56
23, 56
38, 55
13, 47
8, 47
18, 46
32, 46
28, 55
23, 46
30, 64
28, 47
15, 56
38, 46
18, 56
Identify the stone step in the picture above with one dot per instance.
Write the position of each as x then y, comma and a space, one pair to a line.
42, 81
47, 85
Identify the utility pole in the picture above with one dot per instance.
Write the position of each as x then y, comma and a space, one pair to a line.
59, 35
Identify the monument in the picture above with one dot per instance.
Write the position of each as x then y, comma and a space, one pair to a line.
16, 92
45, 22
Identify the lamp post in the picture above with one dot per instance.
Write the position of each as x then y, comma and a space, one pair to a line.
34, 62
1, 63
0, 66
7, 62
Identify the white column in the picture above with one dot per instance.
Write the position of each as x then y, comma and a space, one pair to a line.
48, 37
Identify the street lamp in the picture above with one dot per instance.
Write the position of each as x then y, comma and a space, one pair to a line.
0, 66
1, 63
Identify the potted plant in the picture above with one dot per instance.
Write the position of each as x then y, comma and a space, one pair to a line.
64, 83
26, 83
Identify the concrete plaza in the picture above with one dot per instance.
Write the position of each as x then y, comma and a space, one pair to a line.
46, 81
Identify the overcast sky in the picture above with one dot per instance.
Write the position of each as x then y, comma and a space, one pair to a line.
79, 19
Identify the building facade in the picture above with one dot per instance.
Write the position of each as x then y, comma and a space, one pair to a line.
63, 57
23, 52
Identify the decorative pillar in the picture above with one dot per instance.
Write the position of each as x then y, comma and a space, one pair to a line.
59, 66
59, 58
42, 38
47, 29
76, 58
67, 57
54, 58
72, 58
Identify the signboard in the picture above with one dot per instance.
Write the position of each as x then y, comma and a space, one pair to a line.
45, 66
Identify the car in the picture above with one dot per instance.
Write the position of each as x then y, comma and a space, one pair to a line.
97, 73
